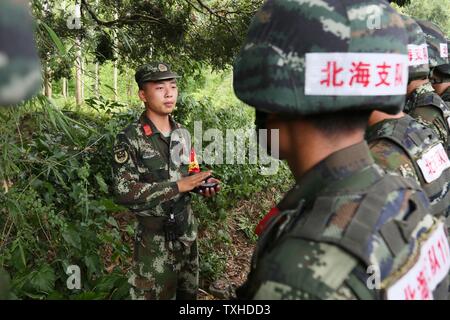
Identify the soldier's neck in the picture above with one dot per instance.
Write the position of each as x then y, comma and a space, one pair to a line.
378, 116
312, 146
161, 121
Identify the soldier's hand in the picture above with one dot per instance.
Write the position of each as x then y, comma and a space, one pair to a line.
189, 183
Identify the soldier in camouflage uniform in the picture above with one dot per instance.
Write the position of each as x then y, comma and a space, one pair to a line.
151, 178
423, 103
344, 214
444, 77
20, 71
440, 79
400, 144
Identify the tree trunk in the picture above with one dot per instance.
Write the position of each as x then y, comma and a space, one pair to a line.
129, 87
97, 69
64, 88
96, 84
47, 81
116, 16
82, 78
78, 74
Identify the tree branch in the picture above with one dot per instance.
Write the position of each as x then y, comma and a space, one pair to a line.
131, 20
214, 13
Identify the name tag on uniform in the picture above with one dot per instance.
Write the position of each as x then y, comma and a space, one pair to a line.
430, 269
433, 163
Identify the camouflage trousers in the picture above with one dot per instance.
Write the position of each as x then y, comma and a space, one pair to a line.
162, 269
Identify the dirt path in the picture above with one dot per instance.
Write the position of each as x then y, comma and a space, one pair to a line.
241, 220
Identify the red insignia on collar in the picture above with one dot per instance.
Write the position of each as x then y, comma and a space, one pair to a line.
147, 130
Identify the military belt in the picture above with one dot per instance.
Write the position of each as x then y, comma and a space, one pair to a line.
173, 226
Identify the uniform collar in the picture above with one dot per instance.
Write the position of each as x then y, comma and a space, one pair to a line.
411, 100
336, 168
150, 129
424, 88
446, 95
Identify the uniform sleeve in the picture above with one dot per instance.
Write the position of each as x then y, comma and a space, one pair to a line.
128, 188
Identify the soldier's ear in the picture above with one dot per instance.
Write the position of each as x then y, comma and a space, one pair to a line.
142, 96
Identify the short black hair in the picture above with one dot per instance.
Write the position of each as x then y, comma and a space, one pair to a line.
330, 124
340, 122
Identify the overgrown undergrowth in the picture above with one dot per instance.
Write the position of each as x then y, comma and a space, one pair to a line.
56, 208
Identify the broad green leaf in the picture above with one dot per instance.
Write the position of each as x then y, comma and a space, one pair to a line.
56, 40
101, 183
72, 237
93, 264
44, 279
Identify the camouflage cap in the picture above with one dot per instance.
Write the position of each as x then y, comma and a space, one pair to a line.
309, 56
417, 50
154, 71
20, 70
437, 43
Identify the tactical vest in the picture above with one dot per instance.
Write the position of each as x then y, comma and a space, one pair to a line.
434, 100
399, 233
417, 144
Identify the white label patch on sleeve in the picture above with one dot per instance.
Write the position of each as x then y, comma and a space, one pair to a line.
432, 266
444, 50
356, 74
417, 55
433, 163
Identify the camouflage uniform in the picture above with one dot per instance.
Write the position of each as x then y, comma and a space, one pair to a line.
341, 215
398, 145
20, 71
429, 109
145, 175
424, 104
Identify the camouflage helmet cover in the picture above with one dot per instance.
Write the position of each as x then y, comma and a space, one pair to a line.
437, 43
444, 69
270, 72
417, 50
